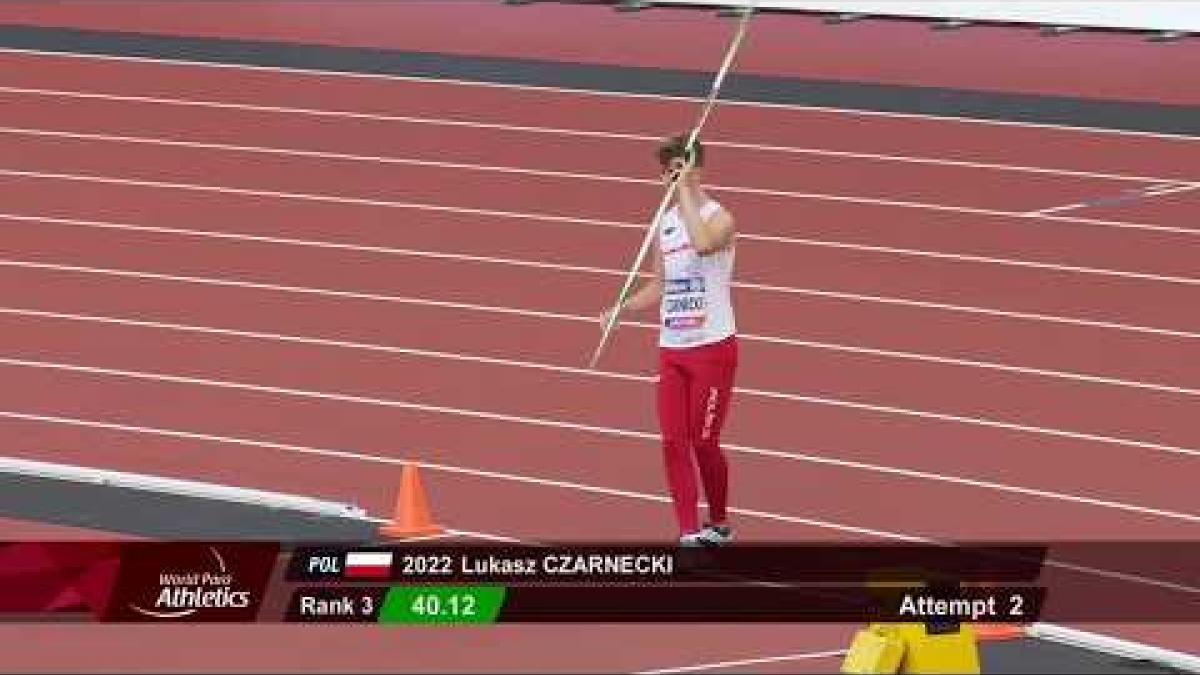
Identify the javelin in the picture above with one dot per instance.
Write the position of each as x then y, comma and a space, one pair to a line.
713, 92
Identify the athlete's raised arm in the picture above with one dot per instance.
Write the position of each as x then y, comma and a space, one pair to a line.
708, 235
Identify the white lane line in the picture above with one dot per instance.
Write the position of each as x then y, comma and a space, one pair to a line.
486, 536
832, 346
837, 295
1128, 198
988, 260
445, 468
1058, 209
599, 430
566, 175
582, 133
744, 662
529, 480
331, 74
584, 372
520, 478
391, 250
1123, 576
531, 313
1173, 189
362, 201
321, 154
748, 236
449, 533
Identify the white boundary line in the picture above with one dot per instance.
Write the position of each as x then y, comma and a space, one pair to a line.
1118, 647
318, 74
445, 468
565, 175
588, 372
583, 133
211, 491
599, 430
178, 486
744, 662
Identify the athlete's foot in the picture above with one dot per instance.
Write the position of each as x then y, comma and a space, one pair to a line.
693, 540
716, 535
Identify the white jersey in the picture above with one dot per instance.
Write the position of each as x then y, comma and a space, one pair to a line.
696, 305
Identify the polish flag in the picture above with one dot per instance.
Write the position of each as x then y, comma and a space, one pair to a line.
369, 565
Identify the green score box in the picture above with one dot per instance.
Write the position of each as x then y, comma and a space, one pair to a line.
427, 605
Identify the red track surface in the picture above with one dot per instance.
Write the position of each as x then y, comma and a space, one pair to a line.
1090, 65
885, 392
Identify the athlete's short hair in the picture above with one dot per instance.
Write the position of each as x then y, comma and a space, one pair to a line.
676, 147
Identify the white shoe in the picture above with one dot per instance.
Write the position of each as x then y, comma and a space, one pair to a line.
693, 540
716, 535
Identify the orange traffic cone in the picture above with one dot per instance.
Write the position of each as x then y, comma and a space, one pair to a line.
995, 632
412, 509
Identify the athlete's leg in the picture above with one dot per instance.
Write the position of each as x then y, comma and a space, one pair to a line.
711, 389
675, 424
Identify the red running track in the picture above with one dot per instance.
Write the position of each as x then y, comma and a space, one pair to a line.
155, 163
610, 158
1113, 299
939, 441
1167, 157
1010, 59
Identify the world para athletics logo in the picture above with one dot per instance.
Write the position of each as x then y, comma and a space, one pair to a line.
192, 582
185, 593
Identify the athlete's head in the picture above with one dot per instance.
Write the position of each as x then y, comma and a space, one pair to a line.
674, 151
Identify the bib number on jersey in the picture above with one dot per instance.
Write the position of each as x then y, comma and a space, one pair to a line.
684, 305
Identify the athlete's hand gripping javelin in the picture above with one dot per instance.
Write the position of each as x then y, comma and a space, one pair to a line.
677, 172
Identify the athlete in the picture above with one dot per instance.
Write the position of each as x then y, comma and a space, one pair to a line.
698, 348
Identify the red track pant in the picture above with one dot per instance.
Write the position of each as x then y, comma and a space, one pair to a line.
694, 388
